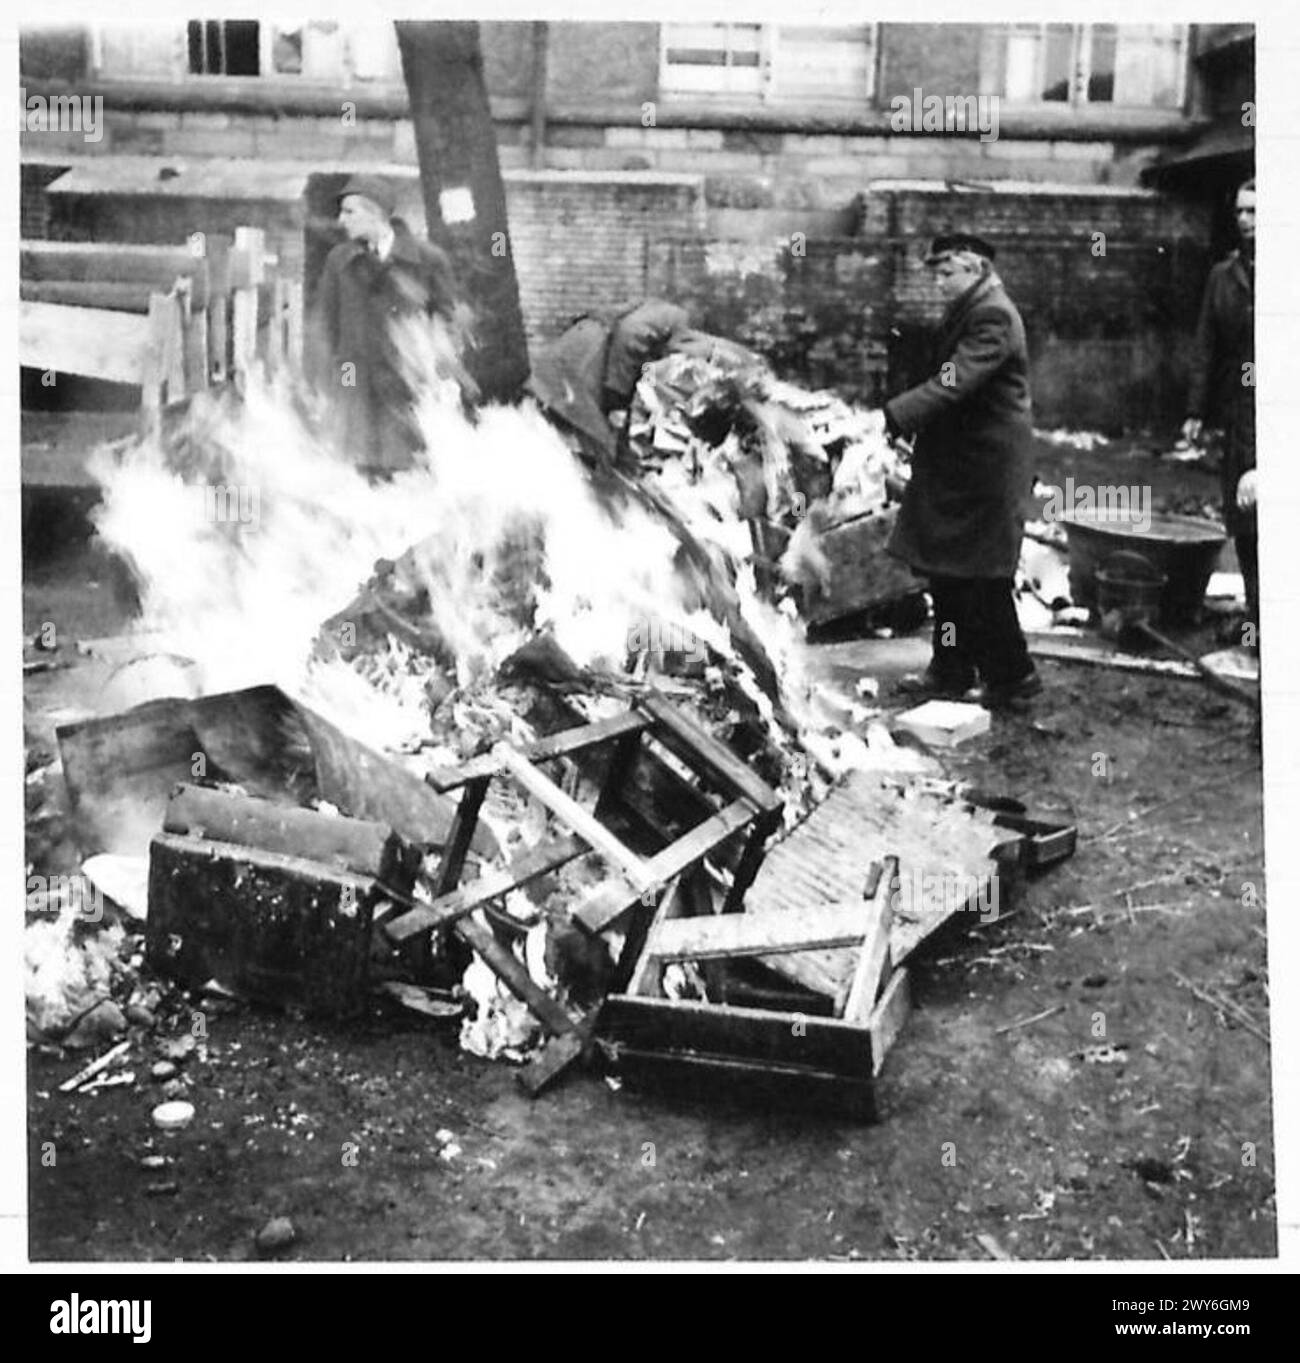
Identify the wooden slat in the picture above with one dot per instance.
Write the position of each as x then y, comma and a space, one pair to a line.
106, 263
100, 345
512, 974
873, 959
539, 862
564, 744
699, 842
114, 297
747, 934
558, 1056
753, 1034
572, 814
888, 1016
703, 749
643, 979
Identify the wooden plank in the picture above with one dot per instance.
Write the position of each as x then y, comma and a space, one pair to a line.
510, 971
361, 845
539, 862
115, 297
699, 842
558, 1056
571, 813
873, 957
888, 1016
293, 335
460, 838
100, 345
701, 748
750, 861
747, 934
87, 262
564, 744
754, 1034
793, 1086
218, 258
643, 979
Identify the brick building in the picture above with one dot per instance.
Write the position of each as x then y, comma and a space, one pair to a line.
778, 176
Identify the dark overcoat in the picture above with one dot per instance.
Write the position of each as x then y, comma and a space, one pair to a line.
963, 512
1225, 343
357, 299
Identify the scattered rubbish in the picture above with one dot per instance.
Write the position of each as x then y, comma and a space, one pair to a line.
164, 1069
179, 1049
990, 1245
162, 1189
95, 1067
108, 1081
173, 1116
944, 723
1103, 1055
154, 1162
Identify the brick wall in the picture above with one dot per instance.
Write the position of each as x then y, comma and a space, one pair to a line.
584, 242
1109, 335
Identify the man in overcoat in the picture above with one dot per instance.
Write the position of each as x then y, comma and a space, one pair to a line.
1223, 391
380, 274
962, 516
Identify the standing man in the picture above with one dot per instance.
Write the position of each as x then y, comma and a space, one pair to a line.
380, 274
962, 517
1223, 393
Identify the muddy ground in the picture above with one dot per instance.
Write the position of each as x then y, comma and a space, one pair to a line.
1131, 1122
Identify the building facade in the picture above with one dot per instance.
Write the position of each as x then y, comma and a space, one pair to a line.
778, 176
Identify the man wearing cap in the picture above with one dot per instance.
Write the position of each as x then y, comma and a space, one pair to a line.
1223, 393
380, 274
962, 519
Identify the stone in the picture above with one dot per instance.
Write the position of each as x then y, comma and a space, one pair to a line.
164, 1069
278, 1234
173, 1116
174, 1088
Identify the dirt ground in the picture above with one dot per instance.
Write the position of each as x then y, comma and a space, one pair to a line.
1059, 1091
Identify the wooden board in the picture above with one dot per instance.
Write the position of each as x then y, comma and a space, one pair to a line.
493, 885
572, 814
888, 1016
566, 744
755, 1035
751, 934
873, 953
825, 858
113, 346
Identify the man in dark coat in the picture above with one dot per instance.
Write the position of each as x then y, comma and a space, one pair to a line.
380, 274
593, 368
962, 517
1223, 392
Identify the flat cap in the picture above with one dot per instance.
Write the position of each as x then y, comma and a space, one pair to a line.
371, 187
943, 246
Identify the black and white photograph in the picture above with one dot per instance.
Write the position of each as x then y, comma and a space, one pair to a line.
501, 494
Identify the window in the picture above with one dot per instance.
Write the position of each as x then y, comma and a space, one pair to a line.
1130, 65
223, 47
768, 62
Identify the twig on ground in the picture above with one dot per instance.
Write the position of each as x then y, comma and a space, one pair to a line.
1026, 1022
1225, 1005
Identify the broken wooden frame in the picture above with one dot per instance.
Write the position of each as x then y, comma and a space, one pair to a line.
752, 810
792, 1055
